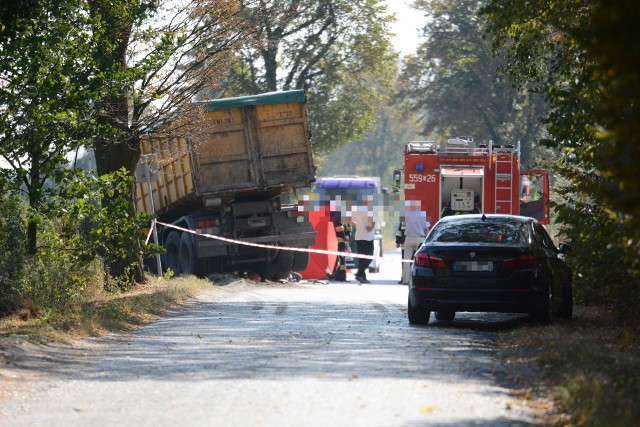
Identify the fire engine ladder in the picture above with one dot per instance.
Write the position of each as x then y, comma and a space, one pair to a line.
504, 180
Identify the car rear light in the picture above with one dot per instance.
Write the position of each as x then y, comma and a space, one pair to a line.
207, 223
423, 259
520, 262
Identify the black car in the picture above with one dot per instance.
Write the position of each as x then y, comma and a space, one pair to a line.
489, 263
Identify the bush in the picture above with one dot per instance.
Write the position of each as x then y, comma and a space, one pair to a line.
78, 240
59, 273
110, 232
605, 252
55, 279
13, 239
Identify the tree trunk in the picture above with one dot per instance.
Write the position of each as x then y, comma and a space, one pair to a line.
113, 156
269, 56
32, 237
115, 21
34, 188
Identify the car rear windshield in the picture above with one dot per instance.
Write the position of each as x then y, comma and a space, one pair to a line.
478, 231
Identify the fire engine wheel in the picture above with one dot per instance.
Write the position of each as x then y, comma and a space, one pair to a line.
172, 253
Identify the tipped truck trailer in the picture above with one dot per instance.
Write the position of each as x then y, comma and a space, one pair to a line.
235, 181
460, 176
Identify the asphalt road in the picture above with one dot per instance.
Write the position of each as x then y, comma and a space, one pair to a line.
247, 354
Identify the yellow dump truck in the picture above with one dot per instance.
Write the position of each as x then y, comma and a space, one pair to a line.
235, 180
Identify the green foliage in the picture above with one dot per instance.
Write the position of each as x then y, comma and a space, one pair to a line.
338, 51
78, 239
612, 43
44, 97
13, 251
605, 260
580, 56
52, 278
91, 227
148, 61
379, 153
451, 81
168, 274
13, 13
55, 278
99, 73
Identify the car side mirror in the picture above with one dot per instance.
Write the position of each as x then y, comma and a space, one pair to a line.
564, 248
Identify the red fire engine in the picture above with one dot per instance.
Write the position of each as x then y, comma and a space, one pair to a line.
459, 176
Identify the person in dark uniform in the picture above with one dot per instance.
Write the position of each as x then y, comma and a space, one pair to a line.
343, 234
476, 204
446, 210
400, 239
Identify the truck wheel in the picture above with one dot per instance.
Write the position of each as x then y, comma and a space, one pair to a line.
300, 261
172, 253
212, 265
283, 262
265, 270
279, 267
189, 264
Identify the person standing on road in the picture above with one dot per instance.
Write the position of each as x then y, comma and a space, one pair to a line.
364, 222
343, 234
400, 240
416, 229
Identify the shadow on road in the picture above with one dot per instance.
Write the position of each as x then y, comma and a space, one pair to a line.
279, 339
488, 322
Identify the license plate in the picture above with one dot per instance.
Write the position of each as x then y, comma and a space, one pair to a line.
464, 266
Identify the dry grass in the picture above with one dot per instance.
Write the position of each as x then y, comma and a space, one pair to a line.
104, 312
590, 366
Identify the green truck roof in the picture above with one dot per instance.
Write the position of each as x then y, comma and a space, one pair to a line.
282, 97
